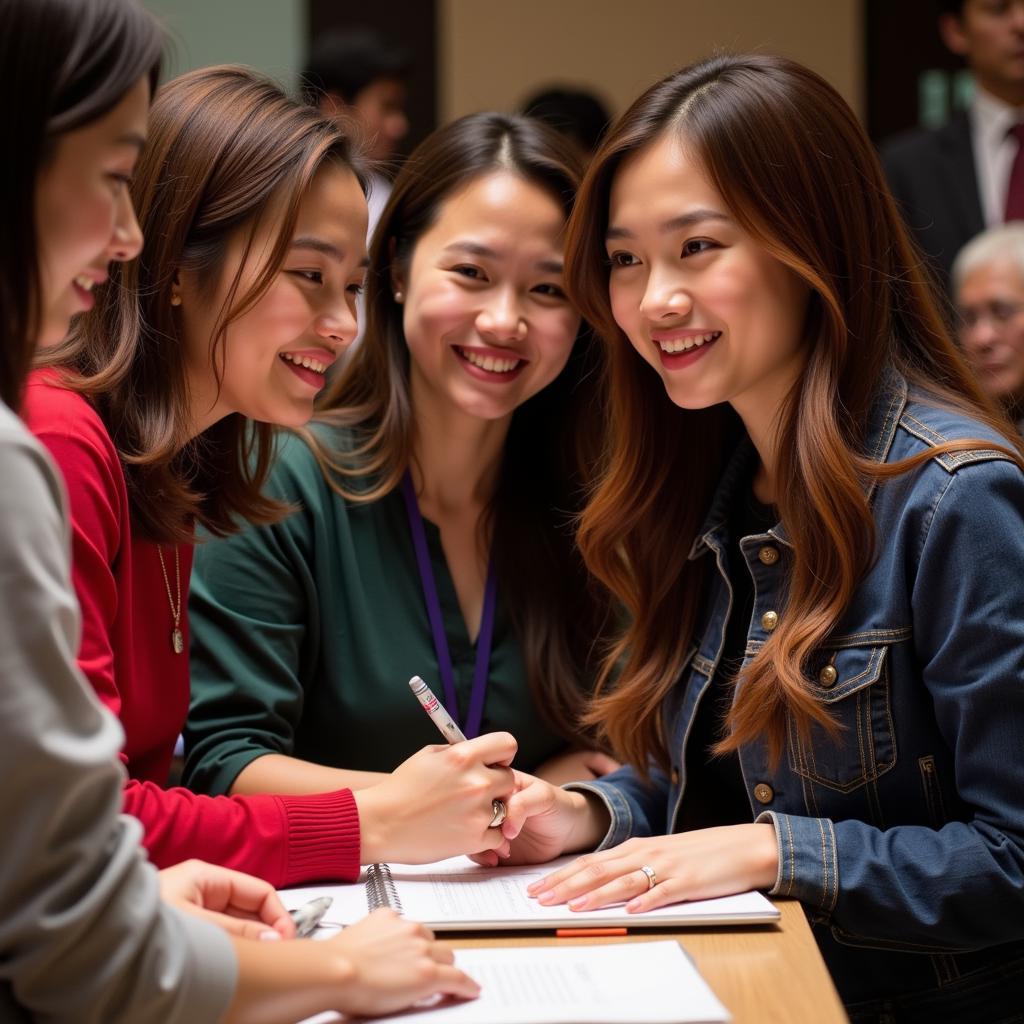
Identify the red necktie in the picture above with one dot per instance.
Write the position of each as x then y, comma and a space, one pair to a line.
1015, 193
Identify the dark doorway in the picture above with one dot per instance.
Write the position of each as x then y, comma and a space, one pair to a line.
912, 79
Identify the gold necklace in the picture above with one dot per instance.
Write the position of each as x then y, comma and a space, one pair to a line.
177, 637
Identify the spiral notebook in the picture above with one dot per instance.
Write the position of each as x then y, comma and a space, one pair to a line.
458, 895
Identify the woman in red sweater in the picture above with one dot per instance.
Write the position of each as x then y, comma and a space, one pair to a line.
158, 410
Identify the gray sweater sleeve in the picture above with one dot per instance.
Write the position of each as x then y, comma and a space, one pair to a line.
83, 933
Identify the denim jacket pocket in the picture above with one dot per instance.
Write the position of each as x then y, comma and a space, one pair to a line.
851, 680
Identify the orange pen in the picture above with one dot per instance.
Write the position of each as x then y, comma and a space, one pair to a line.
584, 933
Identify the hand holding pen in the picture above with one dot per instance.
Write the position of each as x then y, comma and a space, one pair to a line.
438, 714
242, 905
439, 802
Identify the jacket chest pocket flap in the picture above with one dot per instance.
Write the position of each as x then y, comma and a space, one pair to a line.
851, 680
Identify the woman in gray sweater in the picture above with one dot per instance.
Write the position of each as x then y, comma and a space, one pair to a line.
84, 934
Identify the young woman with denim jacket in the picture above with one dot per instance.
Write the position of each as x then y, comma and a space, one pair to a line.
819, 541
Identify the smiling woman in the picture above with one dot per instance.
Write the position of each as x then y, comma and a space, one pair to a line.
436, 494
817, 684
243, 293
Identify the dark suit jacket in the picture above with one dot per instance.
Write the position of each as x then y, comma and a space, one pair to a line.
932, 175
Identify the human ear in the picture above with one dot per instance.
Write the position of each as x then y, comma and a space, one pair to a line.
397, 273
951, 29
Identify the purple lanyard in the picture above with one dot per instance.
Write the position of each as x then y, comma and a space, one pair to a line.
483, 641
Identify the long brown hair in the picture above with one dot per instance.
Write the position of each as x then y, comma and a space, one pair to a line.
800, 177
226, 147
63, 65
554, 609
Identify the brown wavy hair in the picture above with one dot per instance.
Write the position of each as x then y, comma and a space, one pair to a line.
554, 607
800, 177
225, 147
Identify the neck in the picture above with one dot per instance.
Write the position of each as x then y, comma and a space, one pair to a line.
205, 406
456, 457
1009, 92
762, 433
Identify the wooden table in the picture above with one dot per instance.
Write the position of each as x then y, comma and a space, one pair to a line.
768, 974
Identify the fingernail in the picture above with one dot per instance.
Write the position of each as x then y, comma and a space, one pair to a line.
546, 896
633, 906
269, 936
577, 903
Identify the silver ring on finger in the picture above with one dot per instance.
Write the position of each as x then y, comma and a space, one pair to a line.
499, 809
651, 875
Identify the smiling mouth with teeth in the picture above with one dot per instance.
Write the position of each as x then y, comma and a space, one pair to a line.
85, 283
676, 345
305, 361
489, 363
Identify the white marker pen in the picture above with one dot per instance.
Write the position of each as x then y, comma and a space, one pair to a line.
436, 710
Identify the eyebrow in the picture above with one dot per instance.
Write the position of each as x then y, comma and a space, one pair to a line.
684, 220
327, 248
485, 252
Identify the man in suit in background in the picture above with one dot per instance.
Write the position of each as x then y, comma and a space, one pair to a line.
954, 181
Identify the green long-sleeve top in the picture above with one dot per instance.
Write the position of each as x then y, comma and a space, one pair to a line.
305, 634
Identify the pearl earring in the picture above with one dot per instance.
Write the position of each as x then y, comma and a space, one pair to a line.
399, 297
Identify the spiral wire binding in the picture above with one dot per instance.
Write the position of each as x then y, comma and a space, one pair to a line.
380, 889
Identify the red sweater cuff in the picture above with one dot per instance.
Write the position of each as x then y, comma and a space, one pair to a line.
323, 837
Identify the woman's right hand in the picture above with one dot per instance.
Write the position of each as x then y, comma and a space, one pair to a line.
393, 963
438, 803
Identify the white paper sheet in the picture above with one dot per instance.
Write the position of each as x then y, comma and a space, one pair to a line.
624, 983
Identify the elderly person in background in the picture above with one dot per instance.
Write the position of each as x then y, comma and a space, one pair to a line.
988, 283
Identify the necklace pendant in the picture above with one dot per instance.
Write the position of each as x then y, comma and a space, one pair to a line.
177, 640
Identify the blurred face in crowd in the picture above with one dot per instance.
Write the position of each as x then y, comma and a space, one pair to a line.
379, 109
276, 354
989, 34
485, 314
84, 214
991, 305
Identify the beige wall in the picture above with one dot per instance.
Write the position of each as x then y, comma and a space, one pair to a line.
495, 51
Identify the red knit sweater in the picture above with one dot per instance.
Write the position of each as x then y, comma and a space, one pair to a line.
127, 656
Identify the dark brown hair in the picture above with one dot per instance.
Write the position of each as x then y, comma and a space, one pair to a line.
800, 177
63, 65
553, 607
226, 146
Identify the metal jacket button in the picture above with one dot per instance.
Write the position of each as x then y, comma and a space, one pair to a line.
764, 793
769, 621
768, 555
828, 676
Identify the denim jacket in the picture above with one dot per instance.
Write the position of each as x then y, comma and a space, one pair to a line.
903, 837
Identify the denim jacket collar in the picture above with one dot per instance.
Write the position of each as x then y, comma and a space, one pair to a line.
883, 418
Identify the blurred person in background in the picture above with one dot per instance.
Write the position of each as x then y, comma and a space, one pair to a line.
988, 284
952, 182
573, 112
361, 76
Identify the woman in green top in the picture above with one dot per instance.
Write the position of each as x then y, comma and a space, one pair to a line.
435, 499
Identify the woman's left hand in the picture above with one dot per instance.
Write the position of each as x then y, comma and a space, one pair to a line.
688, 866
240, 904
